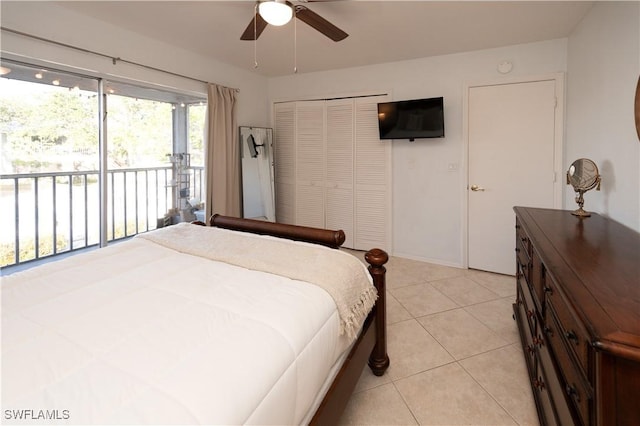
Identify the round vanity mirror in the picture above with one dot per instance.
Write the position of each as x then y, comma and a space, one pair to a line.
583, 176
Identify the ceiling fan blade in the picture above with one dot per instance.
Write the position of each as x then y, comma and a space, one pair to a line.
316, 21
252, 31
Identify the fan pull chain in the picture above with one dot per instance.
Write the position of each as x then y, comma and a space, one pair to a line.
255, 36
295, 41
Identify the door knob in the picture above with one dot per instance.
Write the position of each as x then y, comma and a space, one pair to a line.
476, 188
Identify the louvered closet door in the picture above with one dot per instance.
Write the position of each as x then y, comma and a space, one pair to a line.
285, 162
372, 178
310, 152
339, 168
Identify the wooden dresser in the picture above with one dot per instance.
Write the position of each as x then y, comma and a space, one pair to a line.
578, 312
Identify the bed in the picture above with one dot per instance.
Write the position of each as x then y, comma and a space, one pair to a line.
239, 322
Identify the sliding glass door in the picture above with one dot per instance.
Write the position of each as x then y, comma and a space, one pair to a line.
49, 151
140, 144
51, 163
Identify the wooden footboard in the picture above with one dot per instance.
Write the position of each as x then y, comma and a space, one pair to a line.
371, 344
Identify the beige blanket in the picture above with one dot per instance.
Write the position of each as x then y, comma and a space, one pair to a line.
341, 275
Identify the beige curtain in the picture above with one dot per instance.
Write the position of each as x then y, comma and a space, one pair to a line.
222, 156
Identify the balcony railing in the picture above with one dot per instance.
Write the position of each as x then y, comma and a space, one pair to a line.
55, 213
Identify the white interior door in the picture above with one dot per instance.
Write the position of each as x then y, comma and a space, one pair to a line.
310, 163
372, 178
285, 162
339, 168
332, 170
511, 131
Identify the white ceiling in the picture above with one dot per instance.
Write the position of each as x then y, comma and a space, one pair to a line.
379, 31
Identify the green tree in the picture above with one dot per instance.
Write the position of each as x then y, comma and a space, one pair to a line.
140, 132
196, 133
47, 130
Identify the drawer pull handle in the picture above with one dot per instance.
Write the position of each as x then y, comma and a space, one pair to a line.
530, 313
538, 341
571, 335
548, 290
531, 349
572, 392
548, 330
539, 383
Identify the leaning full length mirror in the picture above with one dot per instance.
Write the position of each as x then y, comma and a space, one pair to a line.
258, 199
583, 176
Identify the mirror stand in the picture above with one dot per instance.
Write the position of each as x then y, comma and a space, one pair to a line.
580, 200
583, 175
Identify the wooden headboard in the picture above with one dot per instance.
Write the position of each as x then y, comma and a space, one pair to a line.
325, 237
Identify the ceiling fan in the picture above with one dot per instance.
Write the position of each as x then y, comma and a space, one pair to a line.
283, 11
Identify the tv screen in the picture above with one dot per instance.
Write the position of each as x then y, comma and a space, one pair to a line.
412, 119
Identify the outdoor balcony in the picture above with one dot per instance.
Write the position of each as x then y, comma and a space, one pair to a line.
50, 214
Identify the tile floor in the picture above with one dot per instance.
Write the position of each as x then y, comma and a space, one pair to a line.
455, 352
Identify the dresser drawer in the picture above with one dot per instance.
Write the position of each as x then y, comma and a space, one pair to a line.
536, 273
542, 389
576, 389
525, 301
575, 337
526, 326
561, 411
523, 251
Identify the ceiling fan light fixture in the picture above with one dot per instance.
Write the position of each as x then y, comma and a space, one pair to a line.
276, 12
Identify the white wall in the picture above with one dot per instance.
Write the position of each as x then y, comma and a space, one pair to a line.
603, 69
51, 21
427, 197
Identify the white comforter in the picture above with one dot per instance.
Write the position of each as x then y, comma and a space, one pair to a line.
139, 333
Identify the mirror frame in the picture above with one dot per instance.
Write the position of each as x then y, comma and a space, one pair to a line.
637, 109
257, 179
592, 183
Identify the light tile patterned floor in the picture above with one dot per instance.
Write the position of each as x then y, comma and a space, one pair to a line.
455, 352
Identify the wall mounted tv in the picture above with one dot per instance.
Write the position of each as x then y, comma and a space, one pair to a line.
412, 119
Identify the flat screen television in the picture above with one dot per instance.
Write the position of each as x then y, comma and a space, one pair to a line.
412, 119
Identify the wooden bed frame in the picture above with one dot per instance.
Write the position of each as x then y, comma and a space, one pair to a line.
372, 341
